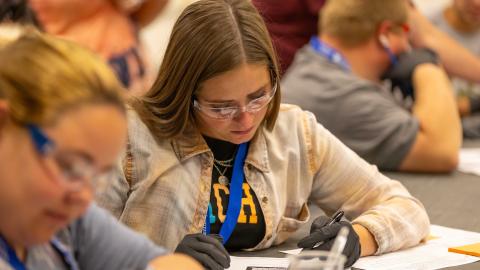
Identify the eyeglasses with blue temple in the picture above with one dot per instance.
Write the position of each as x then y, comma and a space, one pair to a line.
73, 171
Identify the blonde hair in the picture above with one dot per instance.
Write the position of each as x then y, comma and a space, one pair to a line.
354, 22
41, 77
209, 38
10, 32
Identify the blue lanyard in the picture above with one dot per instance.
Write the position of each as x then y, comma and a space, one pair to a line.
330, 53
12, 258
235, 201
67, 256
391, 55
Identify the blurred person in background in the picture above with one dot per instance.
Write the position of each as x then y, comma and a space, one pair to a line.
461, 21
338, 76
293, 22
291, 25
109, 28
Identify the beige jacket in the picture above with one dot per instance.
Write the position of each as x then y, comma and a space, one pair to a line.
168, 191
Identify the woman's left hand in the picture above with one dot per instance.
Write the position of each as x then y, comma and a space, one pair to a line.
322, 232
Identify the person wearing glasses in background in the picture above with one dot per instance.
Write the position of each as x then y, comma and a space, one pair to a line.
213, 157
62, 124
338, 76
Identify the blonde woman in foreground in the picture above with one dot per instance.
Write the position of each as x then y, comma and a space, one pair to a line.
62, 124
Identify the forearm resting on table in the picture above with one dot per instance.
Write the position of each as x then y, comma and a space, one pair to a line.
439, 137
367, 241
174, 262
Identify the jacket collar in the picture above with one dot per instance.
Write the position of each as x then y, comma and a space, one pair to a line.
191, 144
258, 152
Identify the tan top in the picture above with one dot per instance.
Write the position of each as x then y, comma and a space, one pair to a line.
299, 161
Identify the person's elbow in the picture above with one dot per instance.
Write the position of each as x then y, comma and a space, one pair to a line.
435, 159
447, 161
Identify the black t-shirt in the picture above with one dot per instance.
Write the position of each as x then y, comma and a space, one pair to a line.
250, 228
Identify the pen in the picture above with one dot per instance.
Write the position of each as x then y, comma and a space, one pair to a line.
335, 218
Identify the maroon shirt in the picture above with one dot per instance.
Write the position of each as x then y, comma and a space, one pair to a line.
291, 23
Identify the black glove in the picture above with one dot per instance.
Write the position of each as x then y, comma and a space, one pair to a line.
206, 249
321, 232
401, 74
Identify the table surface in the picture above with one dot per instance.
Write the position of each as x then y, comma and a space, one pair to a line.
451, 200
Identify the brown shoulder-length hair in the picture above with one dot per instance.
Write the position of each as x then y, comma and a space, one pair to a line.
209, 38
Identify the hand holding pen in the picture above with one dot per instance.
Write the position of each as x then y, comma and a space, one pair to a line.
335, 218
323, 233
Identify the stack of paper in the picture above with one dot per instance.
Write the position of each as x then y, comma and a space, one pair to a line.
469, 160
434, 254
429, 256
241, 263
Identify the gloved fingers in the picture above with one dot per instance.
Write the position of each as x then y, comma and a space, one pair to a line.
349, 248
349, 251
198, 245
325, 233
307, 242
319, 222
191, 237
203, 259
352, 252
352, 256
314, 238
214, 240
326, 237
326, 245
213, 252
217, 237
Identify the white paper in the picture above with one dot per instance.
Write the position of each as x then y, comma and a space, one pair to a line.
292, 251
429, 256
241, 263
469, 160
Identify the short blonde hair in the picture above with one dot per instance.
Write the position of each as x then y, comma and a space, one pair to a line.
42, 76
354, 22
209, 38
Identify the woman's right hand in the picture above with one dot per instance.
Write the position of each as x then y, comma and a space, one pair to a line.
206, 249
